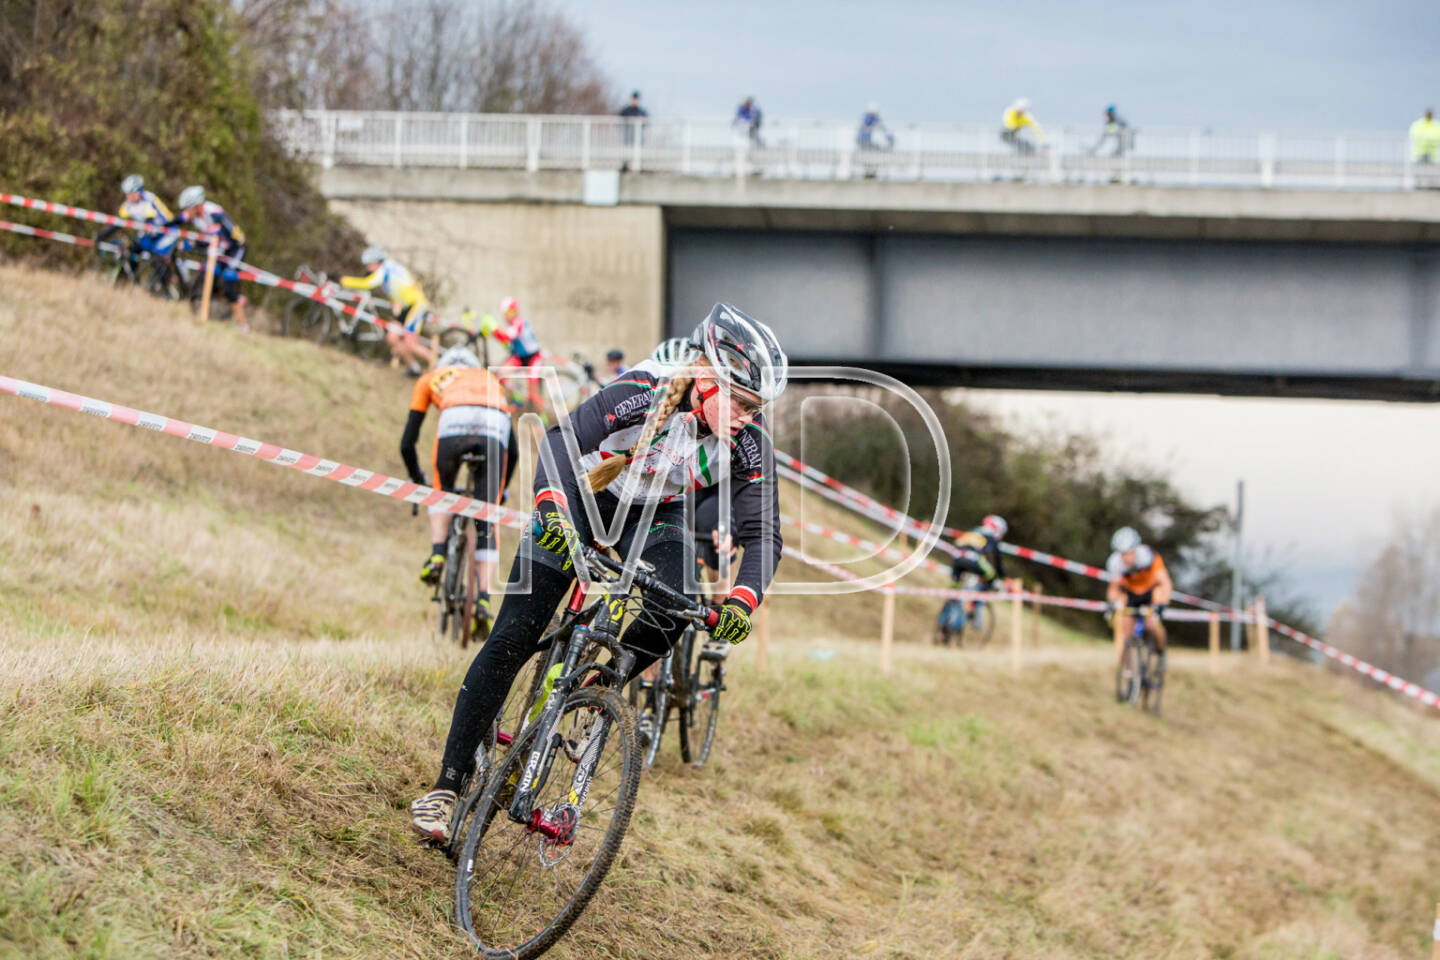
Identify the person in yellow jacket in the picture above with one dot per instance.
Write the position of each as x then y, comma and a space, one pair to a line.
1425, 139
1017, 117
407, 302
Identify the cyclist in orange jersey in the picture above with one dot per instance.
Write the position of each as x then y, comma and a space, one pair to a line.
1138, 578
473, 418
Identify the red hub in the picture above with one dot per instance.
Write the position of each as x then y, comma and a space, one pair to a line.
561, 830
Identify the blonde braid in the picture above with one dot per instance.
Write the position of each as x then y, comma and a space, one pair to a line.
605, 472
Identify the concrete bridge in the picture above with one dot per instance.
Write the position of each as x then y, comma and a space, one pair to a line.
1298, 292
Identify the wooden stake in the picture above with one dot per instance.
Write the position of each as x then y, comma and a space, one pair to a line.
1436, 934
762, 635
1262, 630
887, 629
1017, 616
210, 259
1214, 643
1035, 624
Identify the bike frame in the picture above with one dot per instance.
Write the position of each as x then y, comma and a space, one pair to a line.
602, 629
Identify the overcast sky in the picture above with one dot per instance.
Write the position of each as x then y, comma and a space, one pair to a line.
1324, 479
1226, 64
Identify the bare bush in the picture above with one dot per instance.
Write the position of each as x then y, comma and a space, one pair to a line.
1393, 618
494, 56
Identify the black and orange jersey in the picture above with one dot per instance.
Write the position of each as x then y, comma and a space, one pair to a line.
446, 387
1139, 577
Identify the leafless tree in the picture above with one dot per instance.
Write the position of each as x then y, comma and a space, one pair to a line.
1393, 619
491, 56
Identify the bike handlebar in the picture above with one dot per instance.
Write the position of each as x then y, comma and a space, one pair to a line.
679, 603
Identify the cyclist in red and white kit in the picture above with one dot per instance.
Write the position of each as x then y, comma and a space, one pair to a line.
515, 332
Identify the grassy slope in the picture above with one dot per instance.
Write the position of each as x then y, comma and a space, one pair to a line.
216, 701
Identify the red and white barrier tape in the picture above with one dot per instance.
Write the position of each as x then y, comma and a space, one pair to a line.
1413, 690
94, 216
271, 453
868, 506
58, 235
874, 549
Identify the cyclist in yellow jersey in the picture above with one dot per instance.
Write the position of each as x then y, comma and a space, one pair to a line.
1016, 119
407, 302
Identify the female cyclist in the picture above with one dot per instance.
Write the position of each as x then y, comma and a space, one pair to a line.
650, 437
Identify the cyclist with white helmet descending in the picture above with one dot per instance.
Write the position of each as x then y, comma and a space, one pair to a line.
407, 302
473, 419
645, 442
1138, 578
209, 218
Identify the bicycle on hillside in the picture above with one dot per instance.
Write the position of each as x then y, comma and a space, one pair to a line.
1138, 680
967, 622
458, 589
542, 827
120, 261
321, 323
688, 683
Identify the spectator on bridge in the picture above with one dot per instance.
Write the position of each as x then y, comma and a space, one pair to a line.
1016, 118
634, 116
748, 116
1425, 139
1114, 128
614, 363
873, 134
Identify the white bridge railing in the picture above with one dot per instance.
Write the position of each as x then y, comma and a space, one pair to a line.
827, 151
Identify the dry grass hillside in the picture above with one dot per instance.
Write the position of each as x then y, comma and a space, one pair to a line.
218, 692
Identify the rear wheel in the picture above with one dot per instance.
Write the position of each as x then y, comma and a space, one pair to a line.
519, 887
468, 585
451, 586
979, 626
708, 681
652, 698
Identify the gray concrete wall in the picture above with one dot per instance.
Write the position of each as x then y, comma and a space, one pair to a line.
968, 208
589, 278
1050, 302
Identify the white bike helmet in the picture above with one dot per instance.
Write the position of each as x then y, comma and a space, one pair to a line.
132, 184
675, 352
460, 356
996, 524
744, 352
374, 254
191, 197
1125, 540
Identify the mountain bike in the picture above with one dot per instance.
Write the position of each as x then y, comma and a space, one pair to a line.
322, 323
1138, 680
458, 589
969, 622
120, 260
542, 827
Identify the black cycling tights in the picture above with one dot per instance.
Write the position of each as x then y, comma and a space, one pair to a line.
518, 628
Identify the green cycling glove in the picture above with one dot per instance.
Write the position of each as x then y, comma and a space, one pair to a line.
733, 625
554, 532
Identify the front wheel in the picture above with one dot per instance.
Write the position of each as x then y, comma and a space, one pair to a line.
520, 886
1127, 675
1153, 682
